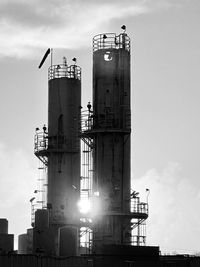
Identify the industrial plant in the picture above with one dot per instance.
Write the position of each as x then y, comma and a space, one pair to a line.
85, 212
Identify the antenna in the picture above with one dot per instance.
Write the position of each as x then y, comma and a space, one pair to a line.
45, 56
75, 60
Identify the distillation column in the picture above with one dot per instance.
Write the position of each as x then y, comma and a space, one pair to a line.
111, 131
59, 149
64, 104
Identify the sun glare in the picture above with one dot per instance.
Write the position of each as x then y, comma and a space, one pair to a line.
84, 206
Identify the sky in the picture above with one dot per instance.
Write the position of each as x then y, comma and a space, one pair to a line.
165, 64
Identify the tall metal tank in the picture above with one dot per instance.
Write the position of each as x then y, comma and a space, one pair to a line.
6, 240
59, 147
111, 130
22, 244
3, 226
63, 143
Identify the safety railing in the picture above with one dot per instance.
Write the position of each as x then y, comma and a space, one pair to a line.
43, 142
62, 70
138, 240
86, 240
111, 40
40, 141
86, 121
90, 122
138, 207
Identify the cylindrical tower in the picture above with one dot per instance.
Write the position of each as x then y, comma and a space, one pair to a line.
3, 226
59, 147
63, 143
112, 129
22, 244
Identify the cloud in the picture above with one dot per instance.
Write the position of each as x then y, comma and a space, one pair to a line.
174, 209
24, 14
27, 26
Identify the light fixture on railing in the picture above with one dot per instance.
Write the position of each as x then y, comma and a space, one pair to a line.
75, 60
123, 27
